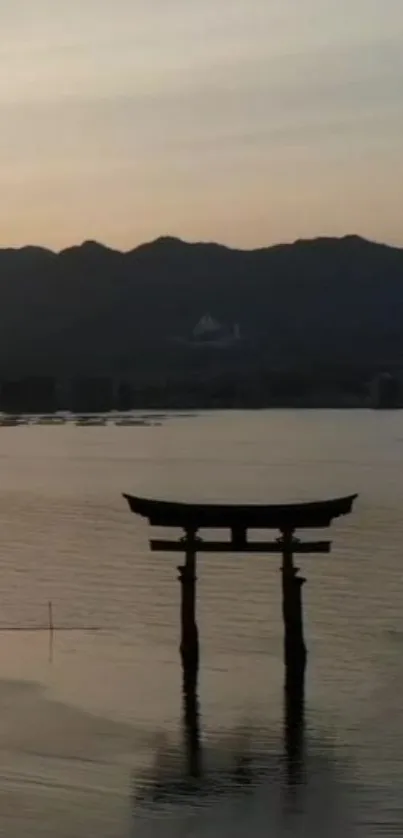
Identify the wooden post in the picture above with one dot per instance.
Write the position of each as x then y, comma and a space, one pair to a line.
294, 644
189, 646
294, 659
191, 727
189, 649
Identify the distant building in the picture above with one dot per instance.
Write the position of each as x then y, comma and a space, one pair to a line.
92, 394
209, 332
124, 396
386, 392
35, 394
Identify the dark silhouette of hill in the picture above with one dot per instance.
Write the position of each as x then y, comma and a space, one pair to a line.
93, 309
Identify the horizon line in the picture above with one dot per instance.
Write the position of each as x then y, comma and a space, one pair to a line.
164, 239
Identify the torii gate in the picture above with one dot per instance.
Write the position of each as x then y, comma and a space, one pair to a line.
239, 520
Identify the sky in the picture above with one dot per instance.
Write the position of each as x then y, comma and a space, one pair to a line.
247, 122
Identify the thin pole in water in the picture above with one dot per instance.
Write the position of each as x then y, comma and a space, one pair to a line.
51, 627
50, 610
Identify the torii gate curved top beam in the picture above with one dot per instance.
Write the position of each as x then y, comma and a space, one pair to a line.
281, 517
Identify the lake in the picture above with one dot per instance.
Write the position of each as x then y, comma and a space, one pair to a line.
91, 739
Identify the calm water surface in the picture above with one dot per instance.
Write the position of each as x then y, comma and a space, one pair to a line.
91, 740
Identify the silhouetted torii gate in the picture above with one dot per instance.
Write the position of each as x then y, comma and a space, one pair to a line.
239, 519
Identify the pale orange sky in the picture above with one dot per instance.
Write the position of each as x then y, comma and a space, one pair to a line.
241, 121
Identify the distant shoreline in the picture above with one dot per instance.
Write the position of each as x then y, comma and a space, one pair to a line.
144, 415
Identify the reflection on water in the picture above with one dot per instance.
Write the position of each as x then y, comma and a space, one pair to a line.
294, 726
248, 779
191, 728
253, 781
182, 772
